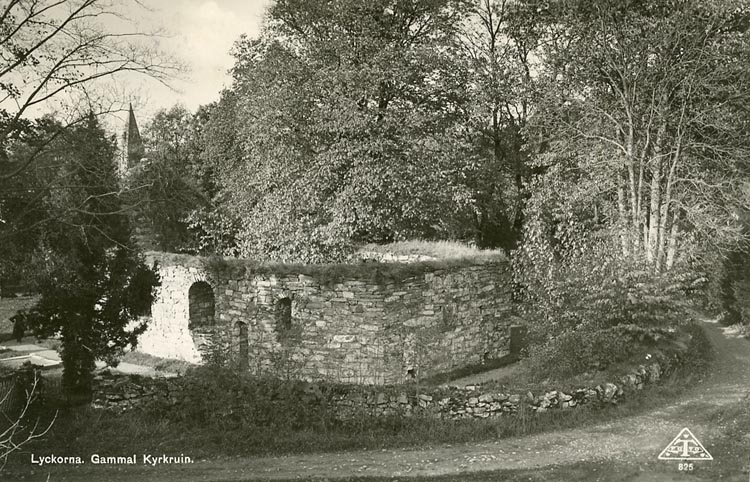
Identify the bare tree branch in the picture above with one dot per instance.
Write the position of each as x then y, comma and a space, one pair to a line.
15, 436
49, 49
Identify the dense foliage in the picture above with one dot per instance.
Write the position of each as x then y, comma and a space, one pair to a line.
351, 122
57, 56
639, 183
22, 215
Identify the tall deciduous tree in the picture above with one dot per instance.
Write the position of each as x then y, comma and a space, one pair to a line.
22, 211
645, 123
498, 43
215, 224
343, 110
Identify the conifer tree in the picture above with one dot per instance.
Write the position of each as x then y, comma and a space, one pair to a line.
94, 284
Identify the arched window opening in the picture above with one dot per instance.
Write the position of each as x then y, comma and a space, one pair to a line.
449, 321
201, 305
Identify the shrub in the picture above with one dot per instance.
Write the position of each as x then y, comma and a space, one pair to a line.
577, 289
589, 348
597, 285
225, 399
580, 350
699, 353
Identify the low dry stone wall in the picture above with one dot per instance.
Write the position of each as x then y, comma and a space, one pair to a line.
127, 392
481, 402
122, 392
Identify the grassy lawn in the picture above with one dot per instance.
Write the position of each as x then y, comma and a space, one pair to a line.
167, 365
6, 353
508, 361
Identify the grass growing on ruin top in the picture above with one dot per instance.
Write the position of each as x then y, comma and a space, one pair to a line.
331, 273
433, 249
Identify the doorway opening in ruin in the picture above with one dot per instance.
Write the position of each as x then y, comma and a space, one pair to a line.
201, 305
283, 315
242, 356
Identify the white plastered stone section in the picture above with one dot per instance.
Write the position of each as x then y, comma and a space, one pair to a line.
168, 335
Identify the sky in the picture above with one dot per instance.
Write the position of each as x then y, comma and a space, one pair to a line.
199, 33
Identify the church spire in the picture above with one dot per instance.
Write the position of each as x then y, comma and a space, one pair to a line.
132, 144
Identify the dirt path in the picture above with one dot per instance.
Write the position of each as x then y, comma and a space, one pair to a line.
638, 439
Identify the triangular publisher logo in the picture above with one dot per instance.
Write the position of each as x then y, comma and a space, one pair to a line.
685, 447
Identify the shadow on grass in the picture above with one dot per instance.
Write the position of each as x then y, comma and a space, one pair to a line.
479, 368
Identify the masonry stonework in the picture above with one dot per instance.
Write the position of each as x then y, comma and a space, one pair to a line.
123, 392
364, 325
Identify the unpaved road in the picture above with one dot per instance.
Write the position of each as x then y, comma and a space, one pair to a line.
636, 439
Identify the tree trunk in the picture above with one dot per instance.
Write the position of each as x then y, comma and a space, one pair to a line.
654, 212
639, 218
672, 243
667, 208
622, 214
663, 225
654, 215
78, 369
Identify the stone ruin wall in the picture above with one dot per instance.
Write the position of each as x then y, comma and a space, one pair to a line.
357, 329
